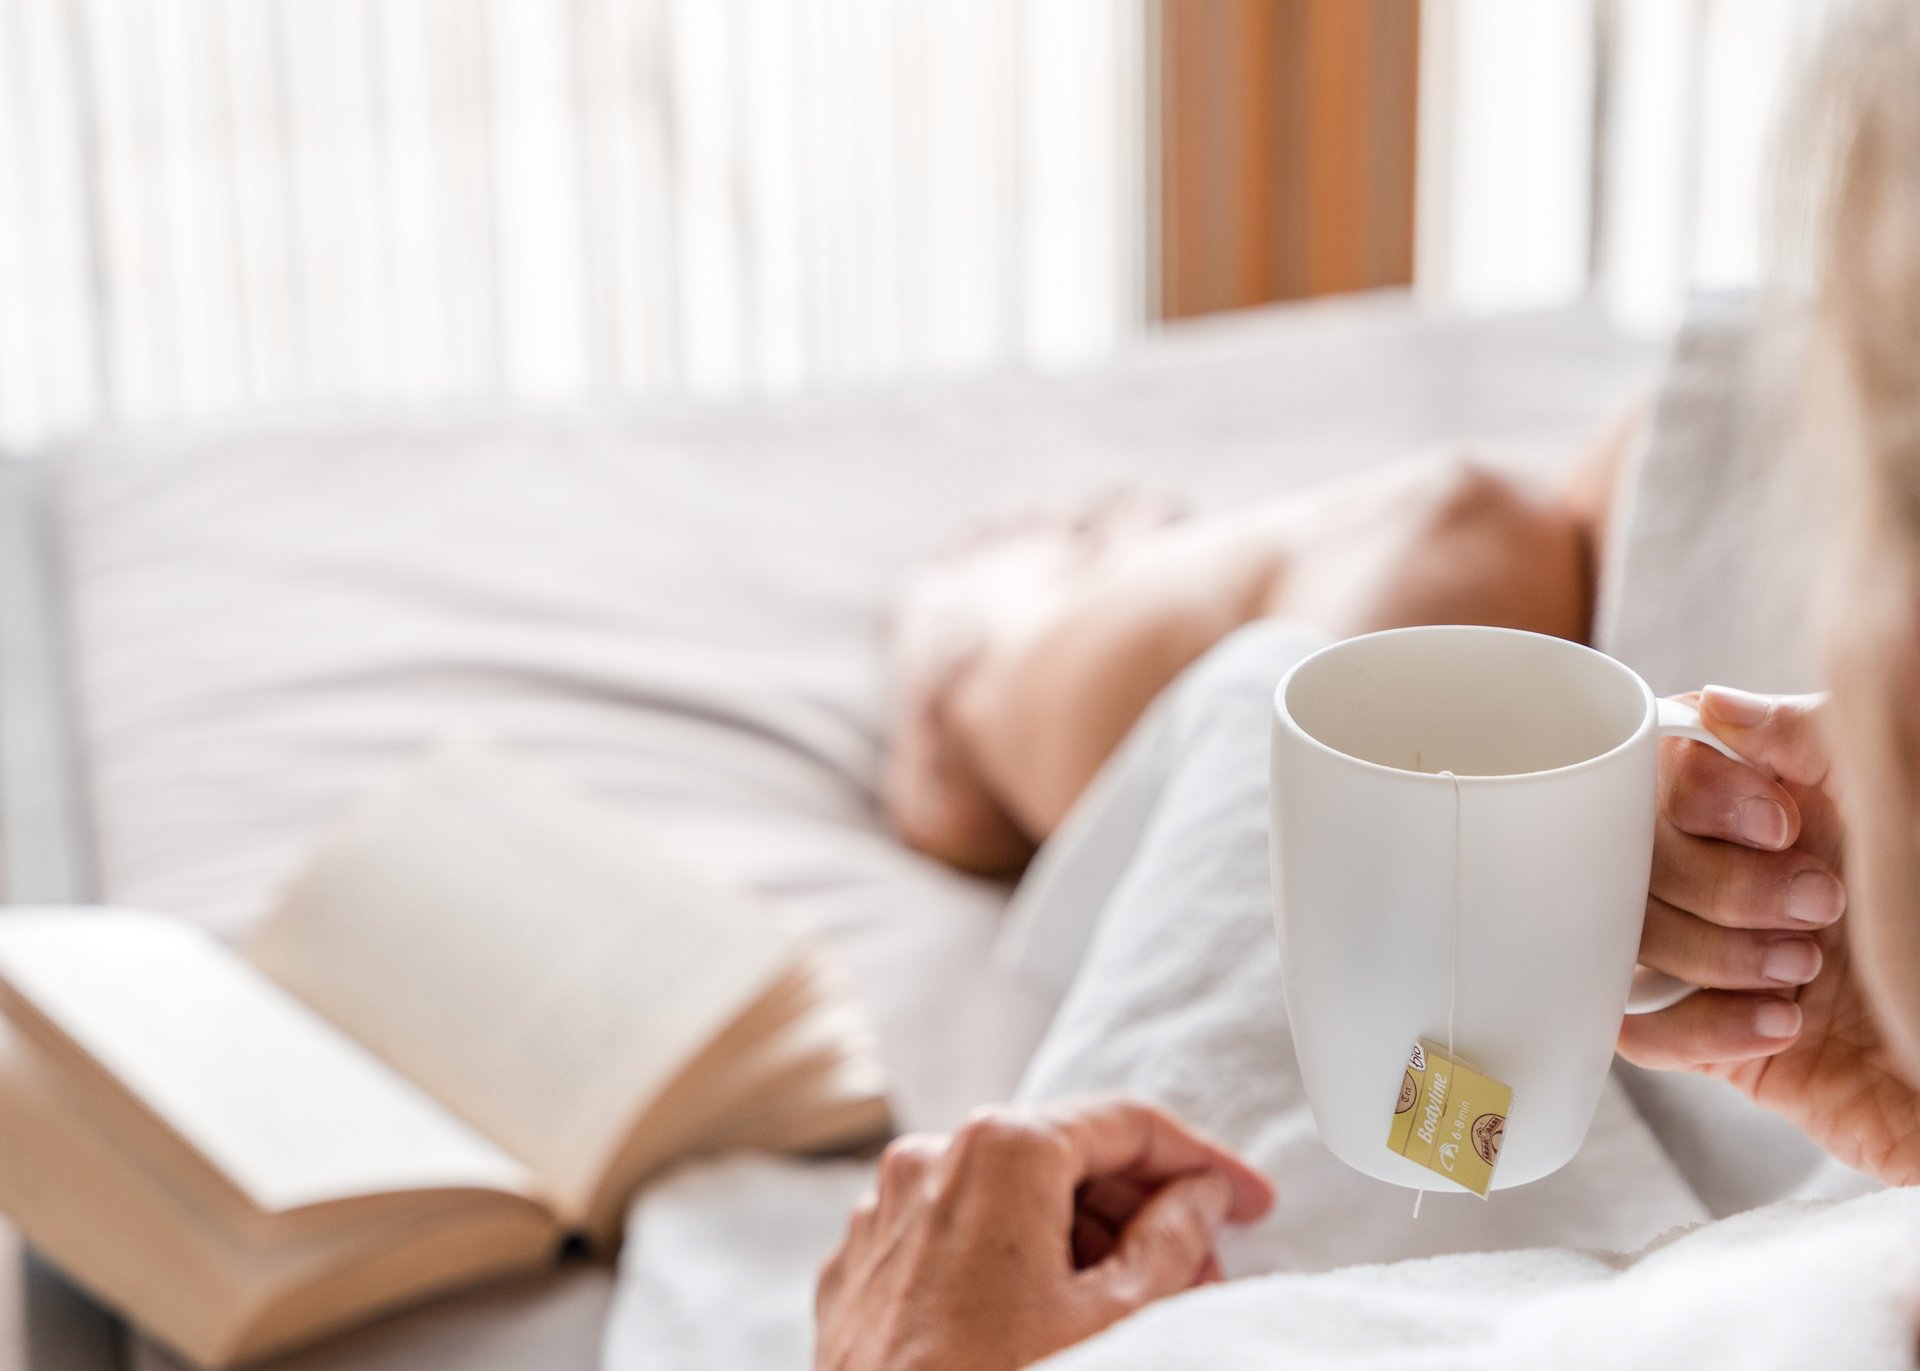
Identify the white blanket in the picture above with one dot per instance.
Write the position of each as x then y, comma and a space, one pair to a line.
1179, 999
718, 1268
1795, 1285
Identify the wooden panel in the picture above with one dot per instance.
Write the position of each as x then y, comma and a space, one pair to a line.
1287, 149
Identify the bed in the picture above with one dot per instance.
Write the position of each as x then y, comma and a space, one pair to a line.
680, 608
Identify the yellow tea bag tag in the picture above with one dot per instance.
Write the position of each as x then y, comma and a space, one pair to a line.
1449, 1118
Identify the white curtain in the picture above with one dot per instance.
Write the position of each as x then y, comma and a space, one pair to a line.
1620, 147
218, 206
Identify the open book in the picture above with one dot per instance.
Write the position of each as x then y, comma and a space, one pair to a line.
480, 1018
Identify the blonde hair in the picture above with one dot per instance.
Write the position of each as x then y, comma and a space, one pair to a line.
1859, 149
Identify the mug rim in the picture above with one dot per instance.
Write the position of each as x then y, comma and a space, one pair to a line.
1284, 716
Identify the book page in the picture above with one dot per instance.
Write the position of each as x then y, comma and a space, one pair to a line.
799, 1070
281, 1104
530, 959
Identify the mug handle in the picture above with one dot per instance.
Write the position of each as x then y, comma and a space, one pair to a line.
1655, 990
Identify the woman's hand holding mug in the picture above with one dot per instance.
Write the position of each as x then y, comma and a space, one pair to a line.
1745, 899
1477, 832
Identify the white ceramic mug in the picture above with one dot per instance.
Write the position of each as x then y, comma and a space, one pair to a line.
1554, 751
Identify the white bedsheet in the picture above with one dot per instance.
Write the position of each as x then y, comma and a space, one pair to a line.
680, 609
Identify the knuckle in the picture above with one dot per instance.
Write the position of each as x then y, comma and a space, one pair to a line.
998, 1134
906, 1160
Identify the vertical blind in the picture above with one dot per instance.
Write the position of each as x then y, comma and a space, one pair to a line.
216, 206
1626, 148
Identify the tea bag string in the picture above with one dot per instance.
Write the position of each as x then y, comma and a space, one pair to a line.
1453, 946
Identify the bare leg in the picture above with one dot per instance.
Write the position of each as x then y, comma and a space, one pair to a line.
994, 745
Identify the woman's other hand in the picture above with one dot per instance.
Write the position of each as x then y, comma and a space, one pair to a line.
1025, 1232
1747, 899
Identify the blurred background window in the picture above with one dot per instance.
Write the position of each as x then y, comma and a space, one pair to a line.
1620, 147
216, 205
211, 207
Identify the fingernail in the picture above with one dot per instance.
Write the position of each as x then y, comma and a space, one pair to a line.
1814, 897
1776, 1019
1761, 821
1740, 707
1792, 961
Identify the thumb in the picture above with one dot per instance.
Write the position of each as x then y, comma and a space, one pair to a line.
1778, 733
1165, 1246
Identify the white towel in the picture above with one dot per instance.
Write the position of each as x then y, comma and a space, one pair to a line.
1792, 1286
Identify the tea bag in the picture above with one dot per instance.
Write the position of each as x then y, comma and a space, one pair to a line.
1449, 1118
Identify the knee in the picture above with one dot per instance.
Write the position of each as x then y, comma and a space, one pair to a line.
1475, 498
1527, 551
1466, 488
